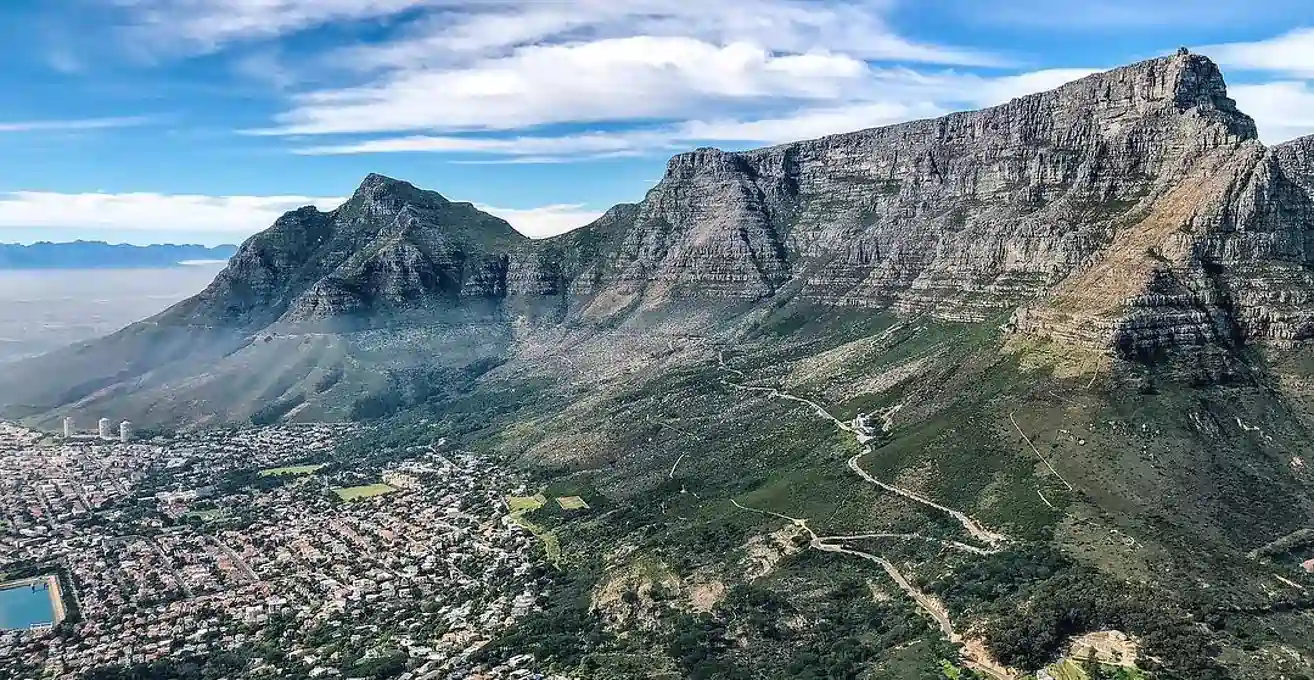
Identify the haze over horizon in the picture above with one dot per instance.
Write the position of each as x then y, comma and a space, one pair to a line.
203, 120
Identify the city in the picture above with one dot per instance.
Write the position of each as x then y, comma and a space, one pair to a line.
216, 541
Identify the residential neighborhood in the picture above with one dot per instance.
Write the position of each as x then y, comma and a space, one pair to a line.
253, 540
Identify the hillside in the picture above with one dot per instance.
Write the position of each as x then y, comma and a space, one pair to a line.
960, 390
100, 255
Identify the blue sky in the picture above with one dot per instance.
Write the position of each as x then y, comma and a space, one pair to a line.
202, 120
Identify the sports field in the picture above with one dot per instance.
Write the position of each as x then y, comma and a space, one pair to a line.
526, 503
572, 503
352, 493
290, 470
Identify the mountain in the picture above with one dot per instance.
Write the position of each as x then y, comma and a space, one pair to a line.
100, 255
1068, 332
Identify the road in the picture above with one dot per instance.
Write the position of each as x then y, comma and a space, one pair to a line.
971, 525
974, 654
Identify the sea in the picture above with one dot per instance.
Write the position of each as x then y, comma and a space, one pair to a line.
43, 310
22, 607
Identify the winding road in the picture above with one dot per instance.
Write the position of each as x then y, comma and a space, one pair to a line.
974, 656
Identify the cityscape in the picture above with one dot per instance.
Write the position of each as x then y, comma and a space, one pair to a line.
195, 544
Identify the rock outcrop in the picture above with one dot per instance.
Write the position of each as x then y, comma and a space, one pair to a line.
1132, 212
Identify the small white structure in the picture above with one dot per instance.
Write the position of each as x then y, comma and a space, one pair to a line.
104, 429
68, 428
125, 432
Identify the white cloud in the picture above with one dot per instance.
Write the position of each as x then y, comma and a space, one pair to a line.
149, 211
607, 80
854, 27
1291, 53
907, 95
74, 125
237, 216
453, 27
548, 220
1282, 110
592, 144
207, 25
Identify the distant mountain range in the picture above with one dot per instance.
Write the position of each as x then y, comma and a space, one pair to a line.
101, 255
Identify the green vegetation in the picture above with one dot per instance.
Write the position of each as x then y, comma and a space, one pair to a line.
656, 459
204, 515
1071, 669
523, 504
551, 544
292, 470
353, 493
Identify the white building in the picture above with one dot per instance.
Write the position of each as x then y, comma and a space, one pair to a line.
125, 432
68, 428
105, 429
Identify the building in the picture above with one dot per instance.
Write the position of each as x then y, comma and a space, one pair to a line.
1309, 566
401, 480
125, 432
68, 428
105, 429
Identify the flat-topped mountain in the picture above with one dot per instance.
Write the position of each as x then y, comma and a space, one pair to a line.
1047, 361
1132, 211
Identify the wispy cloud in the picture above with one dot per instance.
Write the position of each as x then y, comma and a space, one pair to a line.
74, 125
1102, 16
209, 25
439, 30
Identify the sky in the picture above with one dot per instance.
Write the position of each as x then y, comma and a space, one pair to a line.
150, 121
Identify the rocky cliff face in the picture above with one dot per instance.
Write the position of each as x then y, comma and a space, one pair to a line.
1133, 209
1132, 212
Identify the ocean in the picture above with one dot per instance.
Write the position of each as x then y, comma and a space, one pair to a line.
44, 310
23, 607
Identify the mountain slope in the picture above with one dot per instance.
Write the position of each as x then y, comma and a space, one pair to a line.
1042, 369
1075, 321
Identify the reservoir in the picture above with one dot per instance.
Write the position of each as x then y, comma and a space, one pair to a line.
24, 606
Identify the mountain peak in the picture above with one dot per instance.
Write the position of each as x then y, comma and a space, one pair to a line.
376, 183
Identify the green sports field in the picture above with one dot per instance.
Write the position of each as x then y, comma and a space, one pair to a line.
352, 493
290, 470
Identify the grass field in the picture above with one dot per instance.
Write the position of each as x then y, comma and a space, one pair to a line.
352, 493
290, 470
1069, 669
523, 505
526, 503
572, 503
